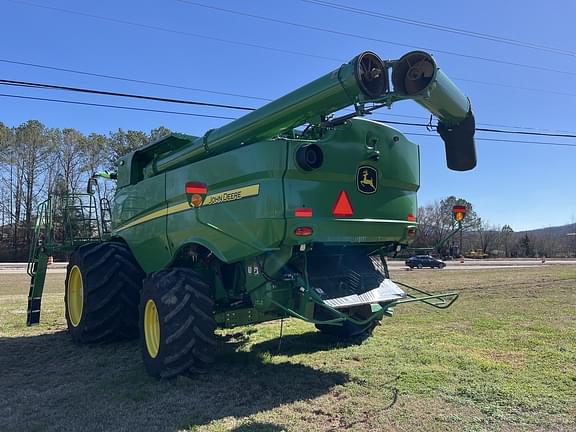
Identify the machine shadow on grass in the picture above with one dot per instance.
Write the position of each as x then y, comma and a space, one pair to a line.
48, 384
306, 343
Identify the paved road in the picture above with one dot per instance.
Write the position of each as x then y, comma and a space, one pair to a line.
486, 264
469, 264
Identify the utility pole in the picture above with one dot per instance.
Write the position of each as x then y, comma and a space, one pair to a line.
459, 213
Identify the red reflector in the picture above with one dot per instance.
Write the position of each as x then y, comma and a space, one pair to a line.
303, 212
411, 217
342, 207
411, 232
196, 188
303, 231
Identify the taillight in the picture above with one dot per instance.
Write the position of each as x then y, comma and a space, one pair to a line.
411, 218
303, 212
196, 188
303, 231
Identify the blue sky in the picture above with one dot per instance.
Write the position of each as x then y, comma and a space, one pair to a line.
524, 185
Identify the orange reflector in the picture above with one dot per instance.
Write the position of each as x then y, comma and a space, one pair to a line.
342, 207
196, 188
411, 217
196, 200
303, 212
303, 231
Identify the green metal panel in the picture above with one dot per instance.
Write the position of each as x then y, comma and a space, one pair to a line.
380, 216
139, 216
237, 228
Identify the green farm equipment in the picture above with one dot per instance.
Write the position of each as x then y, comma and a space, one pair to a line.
288, 211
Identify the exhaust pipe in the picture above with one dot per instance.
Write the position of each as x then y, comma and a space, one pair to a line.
417, 76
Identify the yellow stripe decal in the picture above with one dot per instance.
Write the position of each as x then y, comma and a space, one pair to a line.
232, 195
222, 197
148, 217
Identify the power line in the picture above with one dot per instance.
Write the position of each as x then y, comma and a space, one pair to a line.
442, 28
180, 87
373, 39
173, 31
137, 81
504, 140
285, 51
37, 85
122, 107
515, 87
548, 91
493, 130
496, 125
128, 95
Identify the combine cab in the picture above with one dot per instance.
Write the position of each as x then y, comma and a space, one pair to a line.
261, 219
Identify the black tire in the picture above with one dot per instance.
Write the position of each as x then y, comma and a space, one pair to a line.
420, 266
186, 324
111, 280
349, 331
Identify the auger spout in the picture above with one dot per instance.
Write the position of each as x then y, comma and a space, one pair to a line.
417, 76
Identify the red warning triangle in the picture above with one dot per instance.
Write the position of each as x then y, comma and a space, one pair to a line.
342, 207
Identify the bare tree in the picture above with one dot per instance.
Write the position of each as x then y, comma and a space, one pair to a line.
489, 236
122, 142
435, 221
71, 157
32, 144
159, 132
506, 237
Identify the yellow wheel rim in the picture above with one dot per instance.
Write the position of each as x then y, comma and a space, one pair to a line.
75, 296
152, 328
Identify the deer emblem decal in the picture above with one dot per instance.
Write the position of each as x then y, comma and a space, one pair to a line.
367, 180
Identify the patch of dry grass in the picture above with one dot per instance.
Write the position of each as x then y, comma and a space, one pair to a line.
503, 358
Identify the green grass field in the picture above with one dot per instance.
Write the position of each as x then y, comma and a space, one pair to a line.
503, 358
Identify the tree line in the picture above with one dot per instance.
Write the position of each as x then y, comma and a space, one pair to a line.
36, 159
436, 223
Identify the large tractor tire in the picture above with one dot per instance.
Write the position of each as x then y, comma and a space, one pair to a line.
177, 323
349, 332
103, 283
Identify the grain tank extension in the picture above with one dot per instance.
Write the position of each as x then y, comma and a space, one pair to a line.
288, 211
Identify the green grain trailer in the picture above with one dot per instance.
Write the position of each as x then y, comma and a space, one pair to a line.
258, 220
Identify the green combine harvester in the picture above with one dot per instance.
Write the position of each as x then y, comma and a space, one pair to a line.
288, 211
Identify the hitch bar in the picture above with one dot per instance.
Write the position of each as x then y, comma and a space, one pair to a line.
441, 301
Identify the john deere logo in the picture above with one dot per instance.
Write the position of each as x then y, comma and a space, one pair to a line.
367, 179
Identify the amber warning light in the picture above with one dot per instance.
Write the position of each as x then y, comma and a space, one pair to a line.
459, 212
195, 192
